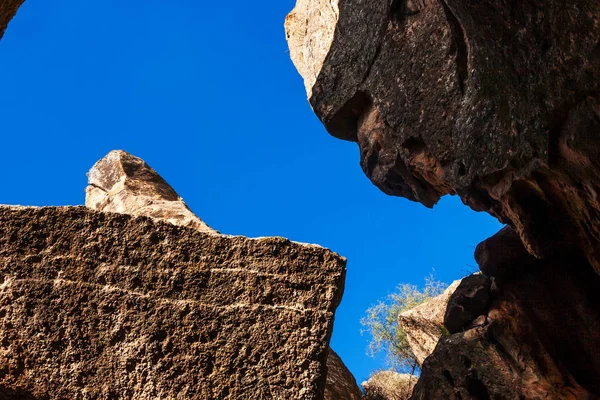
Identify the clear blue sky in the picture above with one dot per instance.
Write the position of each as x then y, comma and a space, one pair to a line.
205, 92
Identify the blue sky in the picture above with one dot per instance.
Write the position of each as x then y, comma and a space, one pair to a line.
205, 92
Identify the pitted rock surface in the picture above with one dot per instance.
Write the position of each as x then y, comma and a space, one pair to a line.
107, 306
496, 101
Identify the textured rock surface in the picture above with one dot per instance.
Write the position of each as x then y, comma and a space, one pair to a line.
138, 190
125, 184
8, 9
102, 305
340, 384
539, 339
424, 324
470, 300
389, 385
496, 101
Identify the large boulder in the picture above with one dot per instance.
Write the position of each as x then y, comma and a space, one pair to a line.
497, 102
8, 9
121, 182
424, 324
108, 306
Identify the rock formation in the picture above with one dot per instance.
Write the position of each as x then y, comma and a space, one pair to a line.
424, 324
389, 385
538, 337
497, 102
104, 305
125, 184
8, 9
340, 384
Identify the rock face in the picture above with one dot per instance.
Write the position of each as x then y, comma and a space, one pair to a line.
424, 324
497, 102
470, 300
102, 305
389, 385
125, 184
8, 9
539, 339
340, 384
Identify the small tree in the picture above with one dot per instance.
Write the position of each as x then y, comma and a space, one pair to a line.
381, 322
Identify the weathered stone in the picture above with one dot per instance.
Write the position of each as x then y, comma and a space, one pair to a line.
503, 255
389, 385
495, 101
107, 306
340, 384
140, 191
470, 300
125, 184
424, 324
539, 338
8, 9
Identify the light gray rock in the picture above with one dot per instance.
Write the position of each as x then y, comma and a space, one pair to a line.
125, 184
424, 324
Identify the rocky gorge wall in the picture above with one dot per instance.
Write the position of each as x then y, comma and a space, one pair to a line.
497, 102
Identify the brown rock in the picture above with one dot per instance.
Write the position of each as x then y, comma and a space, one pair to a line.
497, 102
125, 184
424, 324
539, 339
389, 385
340, 384
8, 9
107, 306
470, 300
503, 256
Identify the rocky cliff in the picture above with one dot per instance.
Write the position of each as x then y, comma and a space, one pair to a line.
497, 102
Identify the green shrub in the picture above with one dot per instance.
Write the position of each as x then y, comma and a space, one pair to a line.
381, 323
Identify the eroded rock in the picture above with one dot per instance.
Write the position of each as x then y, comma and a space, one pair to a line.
109, 306
538, 338
424, 324
125, 184
469, 301
389, 385
496, 102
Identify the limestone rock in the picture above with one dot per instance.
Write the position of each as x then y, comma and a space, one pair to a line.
8, 9
125, 184
470, 300
494, 101
340, 384
108, 306
424, 324
389, 385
